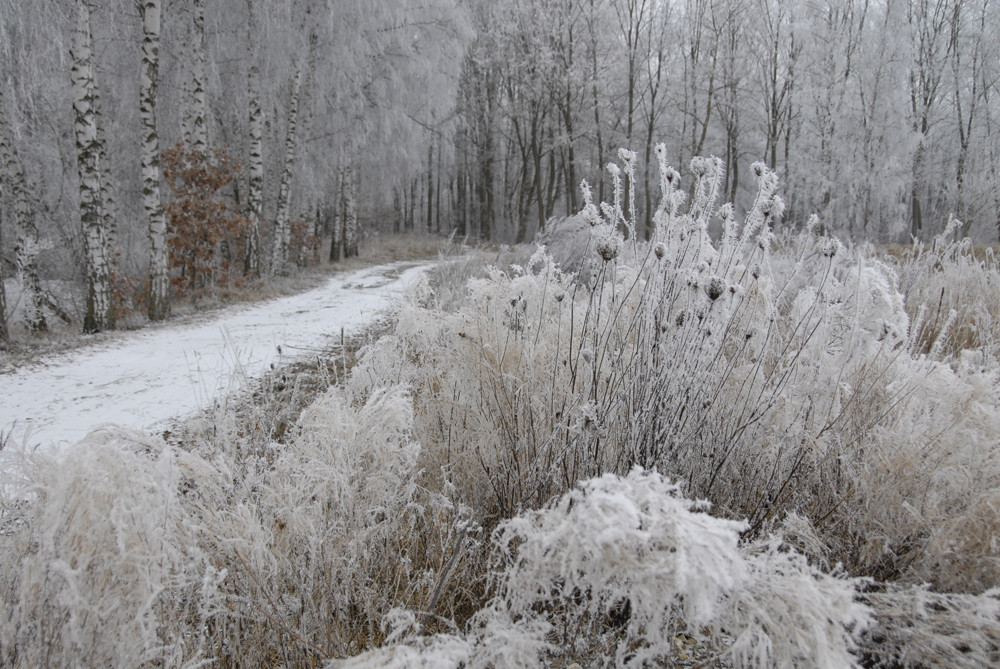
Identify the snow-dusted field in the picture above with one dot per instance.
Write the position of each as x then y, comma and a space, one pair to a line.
146, 378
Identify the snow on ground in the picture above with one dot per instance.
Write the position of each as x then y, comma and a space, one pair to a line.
147, 378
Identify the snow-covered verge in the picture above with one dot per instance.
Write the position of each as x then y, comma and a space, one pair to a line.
146, 378
753, 453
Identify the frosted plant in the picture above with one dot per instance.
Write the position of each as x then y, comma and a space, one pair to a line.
102, 562
789, 613
916, 628
621, 544
615, 571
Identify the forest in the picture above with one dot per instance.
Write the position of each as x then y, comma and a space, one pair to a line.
708, 374
335, 121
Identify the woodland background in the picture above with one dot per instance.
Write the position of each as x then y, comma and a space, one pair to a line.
475, 117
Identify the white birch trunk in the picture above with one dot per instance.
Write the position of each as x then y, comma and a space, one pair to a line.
99, 311
159, 277
350, 215
26, 246
282, 227
4, 333
255, 181
109, 201
196, 126
337, 241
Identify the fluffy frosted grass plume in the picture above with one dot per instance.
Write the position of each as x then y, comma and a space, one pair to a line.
102, 562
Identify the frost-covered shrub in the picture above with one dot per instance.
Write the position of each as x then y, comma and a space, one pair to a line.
101, 562
618, 570
332, 535
771, 376
789, 613
915, 627
617, 564
952, 292
128, 551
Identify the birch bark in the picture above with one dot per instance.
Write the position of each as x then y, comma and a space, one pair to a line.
255, 181
159, 277
4, 333
198, 140
26, 244
282, 223
99, 313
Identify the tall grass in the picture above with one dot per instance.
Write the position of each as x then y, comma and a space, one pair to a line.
508, 477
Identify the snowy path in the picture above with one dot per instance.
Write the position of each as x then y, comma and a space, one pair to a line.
146, 378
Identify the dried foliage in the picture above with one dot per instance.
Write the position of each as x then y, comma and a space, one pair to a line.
205, 235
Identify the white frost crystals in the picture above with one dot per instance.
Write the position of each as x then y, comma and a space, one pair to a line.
627, 560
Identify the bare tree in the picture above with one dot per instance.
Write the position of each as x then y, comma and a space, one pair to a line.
657, 64
968, 55
633, 25
697, 95
928, 22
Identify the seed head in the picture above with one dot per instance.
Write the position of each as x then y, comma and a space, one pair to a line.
715, 288
608, 247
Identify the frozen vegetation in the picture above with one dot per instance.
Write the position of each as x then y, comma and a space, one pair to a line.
760, 451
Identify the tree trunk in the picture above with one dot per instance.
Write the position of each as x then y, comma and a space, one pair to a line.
196, 135
350, 215
430, 186
282, 225
916, 216
410, 216
536, 155
26, 246
337, 239
397, 210
159, 276
99, 313
437, 193
255, 154
4, 333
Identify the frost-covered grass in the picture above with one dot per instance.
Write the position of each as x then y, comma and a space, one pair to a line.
758, 451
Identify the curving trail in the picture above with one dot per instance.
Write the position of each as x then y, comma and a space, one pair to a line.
146, 378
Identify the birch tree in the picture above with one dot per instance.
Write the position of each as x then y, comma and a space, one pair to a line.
99, 313
26, 241
4, 333
282, 223
349, 214
159, 275
255, 153
196, 129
